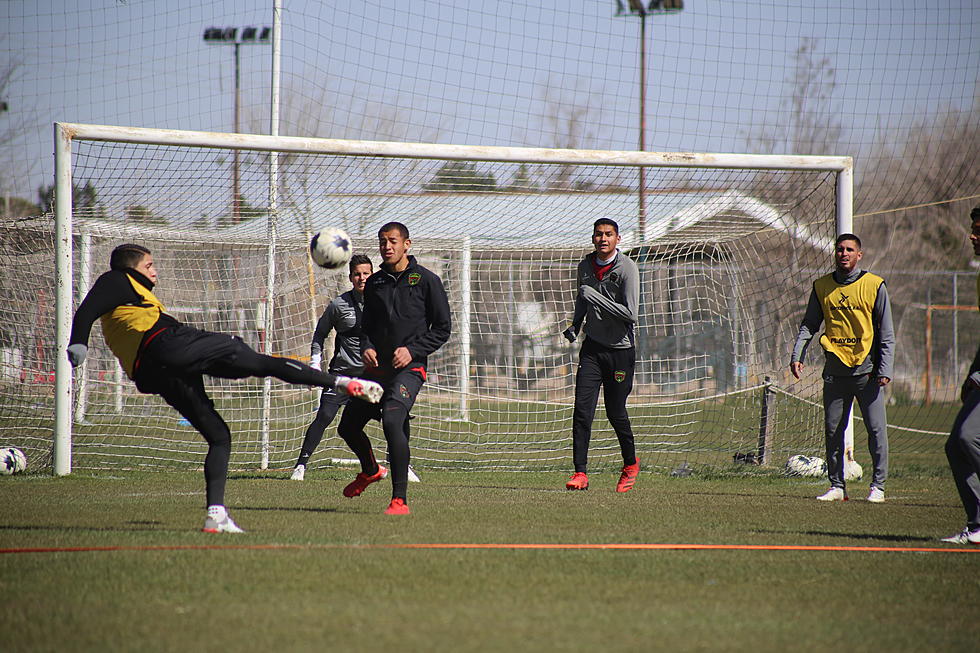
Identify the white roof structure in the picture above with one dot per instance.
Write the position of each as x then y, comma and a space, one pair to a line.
541, 219
504, 219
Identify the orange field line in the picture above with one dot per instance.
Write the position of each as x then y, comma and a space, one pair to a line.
627, 547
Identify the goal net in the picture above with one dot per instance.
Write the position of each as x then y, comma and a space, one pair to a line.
726, 245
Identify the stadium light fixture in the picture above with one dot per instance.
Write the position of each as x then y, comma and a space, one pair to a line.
644, 9
640, 8
237, 37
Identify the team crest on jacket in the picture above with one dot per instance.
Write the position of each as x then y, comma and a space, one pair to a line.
403, 391
620, 376
414, 278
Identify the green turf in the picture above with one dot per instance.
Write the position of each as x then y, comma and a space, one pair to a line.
337, 589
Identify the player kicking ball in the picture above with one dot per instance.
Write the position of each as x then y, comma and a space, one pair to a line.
168, 358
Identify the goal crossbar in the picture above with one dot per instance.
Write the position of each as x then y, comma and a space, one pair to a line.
265, 143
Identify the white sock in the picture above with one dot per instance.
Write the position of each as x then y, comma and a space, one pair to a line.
217, 513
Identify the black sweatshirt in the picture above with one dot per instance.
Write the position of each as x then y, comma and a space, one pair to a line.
406, 309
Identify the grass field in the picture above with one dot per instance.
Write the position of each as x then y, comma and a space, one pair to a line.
118, 564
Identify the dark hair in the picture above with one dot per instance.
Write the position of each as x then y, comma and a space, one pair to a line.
359, 259
975, 214
127, 257
608, 221
844, 237
394, 226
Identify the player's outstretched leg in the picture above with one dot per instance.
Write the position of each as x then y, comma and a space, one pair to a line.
242, 361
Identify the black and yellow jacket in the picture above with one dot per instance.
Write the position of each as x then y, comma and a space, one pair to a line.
129, 310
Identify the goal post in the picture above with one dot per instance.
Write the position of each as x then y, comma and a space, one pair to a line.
731, 244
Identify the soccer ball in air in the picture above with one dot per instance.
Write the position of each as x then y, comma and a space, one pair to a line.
12, 461
331, 248
806, 466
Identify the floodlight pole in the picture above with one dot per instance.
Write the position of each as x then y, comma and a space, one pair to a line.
642, 9
236, 37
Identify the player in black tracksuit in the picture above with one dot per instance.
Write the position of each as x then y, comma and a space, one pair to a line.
406, 318
164, 357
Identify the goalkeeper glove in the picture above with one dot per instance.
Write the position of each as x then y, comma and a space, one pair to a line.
570, 333
315, 361
76, 354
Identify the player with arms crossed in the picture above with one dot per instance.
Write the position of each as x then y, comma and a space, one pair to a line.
608, 300
963, 445
344, 315
165, 357
859, 350
406, 318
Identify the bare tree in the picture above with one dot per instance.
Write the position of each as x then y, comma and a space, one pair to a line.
813, 125
304, 179
14, 122
570, 118
924, 191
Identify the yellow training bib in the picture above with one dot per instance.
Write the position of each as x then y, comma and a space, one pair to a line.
124, 326
848, 331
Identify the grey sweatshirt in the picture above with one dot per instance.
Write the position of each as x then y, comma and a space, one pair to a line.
344, 315
608, 307
879, 362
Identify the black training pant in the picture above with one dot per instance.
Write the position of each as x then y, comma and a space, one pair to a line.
331, 402
393, 412
613, 370
963, 453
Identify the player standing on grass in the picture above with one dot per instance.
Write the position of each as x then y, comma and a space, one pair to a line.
344, 315
963, 445
164, 357
859, 350
406, 318
608, 300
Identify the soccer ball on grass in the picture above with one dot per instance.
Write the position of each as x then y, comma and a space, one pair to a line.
808, 466
852, 470
12, 461
331, 248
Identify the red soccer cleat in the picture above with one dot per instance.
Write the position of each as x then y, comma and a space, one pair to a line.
362, 480
397, 507
628, 477
578, 481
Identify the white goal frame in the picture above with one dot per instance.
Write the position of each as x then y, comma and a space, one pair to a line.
66, 133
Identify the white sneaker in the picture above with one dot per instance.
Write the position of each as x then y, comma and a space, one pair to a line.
877, 495
211, 525
966, 536
299, 473
833, 494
